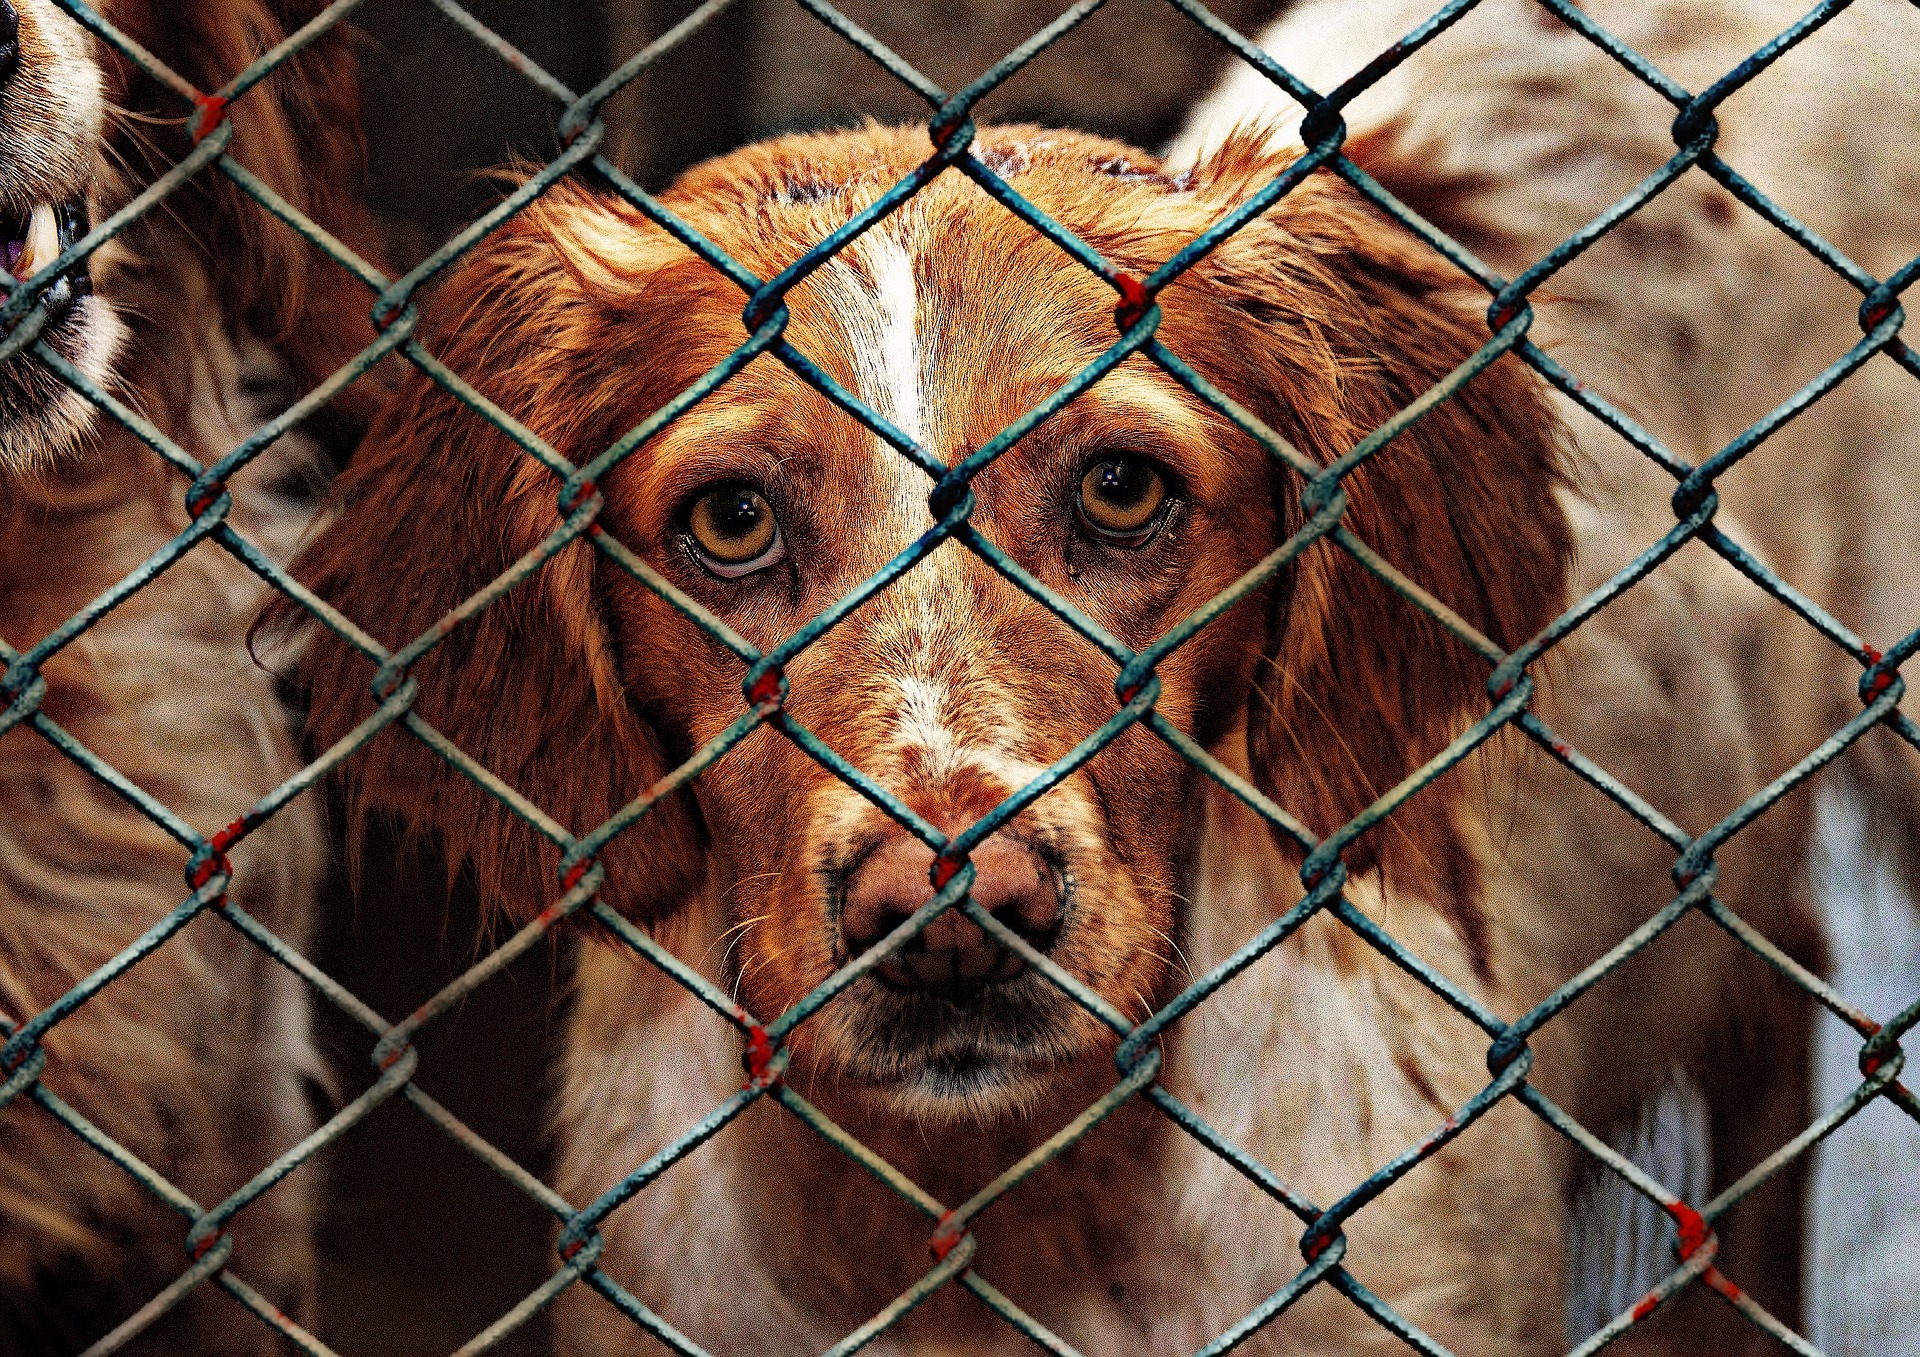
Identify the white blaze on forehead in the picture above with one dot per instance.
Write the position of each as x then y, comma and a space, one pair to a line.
875, 300
897, 370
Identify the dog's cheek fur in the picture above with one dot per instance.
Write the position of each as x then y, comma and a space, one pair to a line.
437, 504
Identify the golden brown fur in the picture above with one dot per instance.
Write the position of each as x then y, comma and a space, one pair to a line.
952, 689
199, 1059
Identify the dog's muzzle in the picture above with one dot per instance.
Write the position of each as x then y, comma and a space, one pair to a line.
952, 958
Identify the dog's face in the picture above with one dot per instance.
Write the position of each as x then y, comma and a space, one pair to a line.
953, 688
52, 112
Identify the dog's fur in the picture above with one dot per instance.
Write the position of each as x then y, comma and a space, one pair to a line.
952, 689
208, 316
1696, 315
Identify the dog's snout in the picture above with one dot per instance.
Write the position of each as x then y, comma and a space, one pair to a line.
9, 41
953, 955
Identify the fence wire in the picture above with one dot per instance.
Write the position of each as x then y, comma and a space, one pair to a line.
1510, 687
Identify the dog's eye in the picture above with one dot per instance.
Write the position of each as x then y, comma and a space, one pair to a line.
1123, 499
734, 530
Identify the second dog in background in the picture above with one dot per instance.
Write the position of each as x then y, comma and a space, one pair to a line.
208, 318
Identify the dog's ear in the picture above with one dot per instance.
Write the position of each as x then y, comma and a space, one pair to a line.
298, 131
1339, 321
439, 502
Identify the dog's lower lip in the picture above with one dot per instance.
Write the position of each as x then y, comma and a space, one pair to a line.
900, 1035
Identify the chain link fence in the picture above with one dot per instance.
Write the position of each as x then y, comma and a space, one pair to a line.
207, 1245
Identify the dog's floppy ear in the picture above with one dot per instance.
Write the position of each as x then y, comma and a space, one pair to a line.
1342, 320
438, 503
298, 131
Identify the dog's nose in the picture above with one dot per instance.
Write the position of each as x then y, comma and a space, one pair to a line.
953, 955
9, 41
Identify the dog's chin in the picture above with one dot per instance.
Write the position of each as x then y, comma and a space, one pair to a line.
42, 417
987, 1059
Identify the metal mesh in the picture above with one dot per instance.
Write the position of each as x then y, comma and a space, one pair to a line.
23, 1058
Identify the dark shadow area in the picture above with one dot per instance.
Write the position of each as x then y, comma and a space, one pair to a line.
422, 1244
441, 109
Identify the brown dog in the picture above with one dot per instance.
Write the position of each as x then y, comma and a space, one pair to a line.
208, 317
1137, 503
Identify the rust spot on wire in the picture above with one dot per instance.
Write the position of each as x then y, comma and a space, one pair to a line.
575, 873
946, 1237
209, 110
1692, 1227
765, 691
1134, 301
582, 492
945, 869
759, 1055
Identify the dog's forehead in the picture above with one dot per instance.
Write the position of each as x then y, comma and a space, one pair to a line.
949, 316
949, 305
951, 322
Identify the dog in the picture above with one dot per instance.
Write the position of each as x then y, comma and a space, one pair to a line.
952, 689
207, 317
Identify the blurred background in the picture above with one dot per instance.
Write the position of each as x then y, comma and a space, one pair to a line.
440, 107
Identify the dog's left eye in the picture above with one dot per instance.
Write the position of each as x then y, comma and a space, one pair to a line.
734, 531
1123, 499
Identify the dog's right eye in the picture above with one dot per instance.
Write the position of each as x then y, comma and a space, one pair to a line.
734, 531
1124, 499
